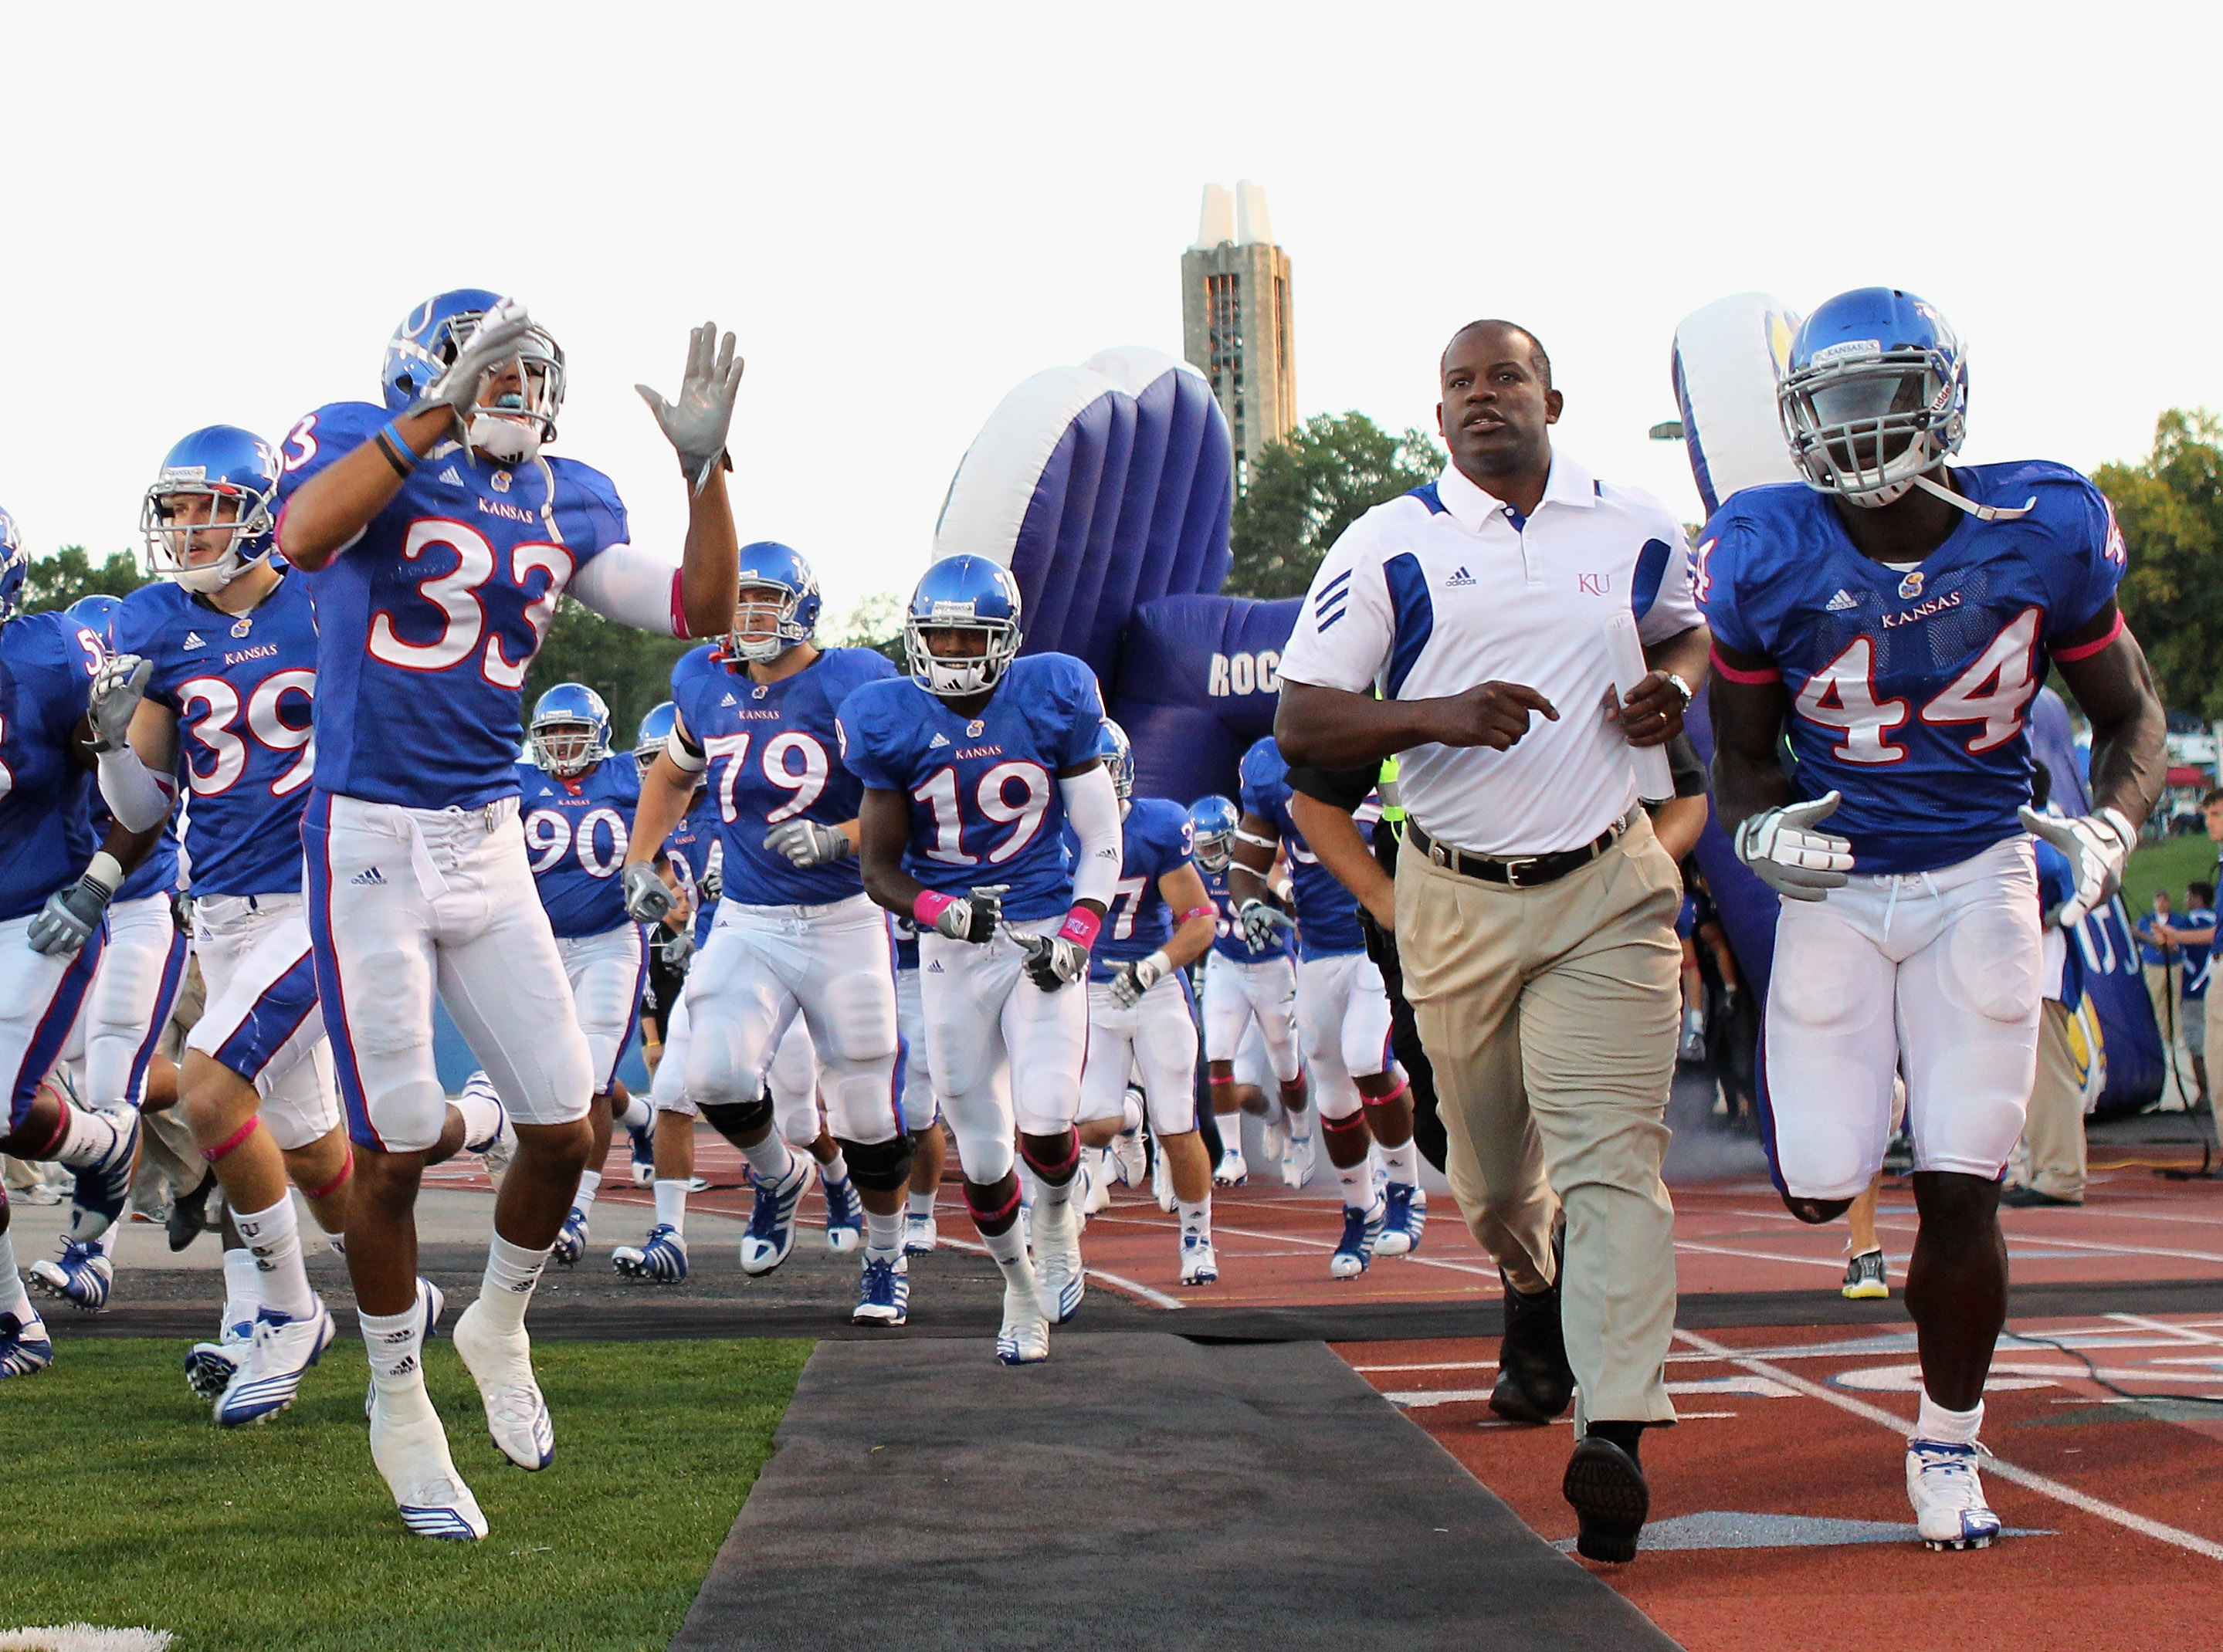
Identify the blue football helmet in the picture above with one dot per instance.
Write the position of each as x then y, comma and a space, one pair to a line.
217, 463
15, 569
655, 730
96, 613
1213, 819
767, 565
1876, 397
425, 345
964, 594
571, 730
1119, 755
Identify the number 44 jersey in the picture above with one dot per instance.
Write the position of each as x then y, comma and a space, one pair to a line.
1910, 687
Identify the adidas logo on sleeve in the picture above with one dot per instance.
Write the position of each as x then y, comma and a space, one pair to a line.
1842, 601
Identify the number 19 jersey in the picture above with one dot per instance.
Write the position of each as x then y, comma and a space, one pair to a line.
1911, 687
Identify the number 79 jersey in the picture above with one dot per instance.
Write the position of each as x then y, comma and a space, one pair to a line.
984, 802
1910, 689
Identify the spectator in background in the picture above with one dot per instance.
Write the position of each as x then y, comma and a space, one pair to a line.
2158, 958
2194, 932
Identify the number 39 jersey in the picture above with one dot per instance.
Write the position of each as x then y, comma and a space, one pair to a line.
242, 689
431, 619
1156, 839
575, 840
1910, 689
774, 755
984, 802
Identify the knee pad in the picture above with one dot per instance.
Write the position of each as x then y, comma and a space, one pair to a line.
883, 1166
734, 1119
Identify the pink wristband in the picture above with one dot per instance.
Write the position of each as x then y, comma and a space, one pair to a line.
1080, 927
929, 907
1204, 911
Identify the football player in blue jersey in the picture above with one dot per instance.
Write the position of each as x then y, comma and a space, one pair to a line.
1899, 616
1140, 1018
794, 934
438, 538
1342, 1016
671, 942
930, 1142
577, 802
64, 705
972, 767
1249, 989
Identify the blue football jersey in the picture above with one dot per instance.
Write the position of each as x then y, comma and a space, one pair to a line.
905, 935
694, 852
984, 802
575, 834
2196, 954
243, 690
1327, 914
773, 750
1156, 839
46, 666
1228, 938
431, 619
1910, 689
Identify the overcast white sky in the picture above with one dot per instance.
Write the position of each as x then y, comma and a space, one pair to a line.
219, 213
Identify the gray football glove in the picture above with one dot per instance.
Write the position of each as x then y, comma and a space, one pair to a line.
1053, 962
808, 843
71, 915
973, 919
1261, 920
678, 946
696, 423
493, 342
646, 899
1797, 862
1136, 978
2096, 845
116, 689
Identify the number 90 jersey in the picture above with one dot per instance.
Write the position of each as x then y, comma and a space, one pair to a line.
1911, 689
431, 619
774, 755
574, 840
984, 802
1156, 839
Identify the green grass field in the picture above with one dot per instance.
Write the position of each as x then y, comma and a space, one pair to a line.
130, 1508
2168, 865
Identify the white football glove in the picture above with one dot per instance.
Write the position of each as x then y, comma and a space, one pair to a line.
1134, 979
493, 342
1053, 962
696, 423
117, 687
973, 919
646, 899
1797, 864
2096, 845
1261, 920
808, 843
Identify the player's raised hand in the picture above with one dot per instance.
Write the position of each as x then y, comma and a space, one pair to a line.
1790, 857
807, 843
1261, 920
647, 897
1494, 714
117, 687
493, 342
696, 423
2097, 847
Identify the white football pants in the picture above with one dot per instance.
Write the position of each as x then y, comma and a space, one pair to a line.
1342, 1016
133, 992
607, 972
261, 1020
1002, 1052
1155, 1038
1264, 995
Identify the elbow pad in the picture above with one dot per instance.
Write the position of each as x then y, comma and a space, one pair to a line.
1093, 808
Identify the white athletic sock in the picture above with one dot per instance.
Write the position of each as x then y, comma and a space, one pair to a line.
590, 1183
1030, 1185
512, 1271
1195, 1219
771, 1159
1403, 1163
242, 1287
395, 1343
1010, 1250
1301, 1123
1049, 1197
13, 1299
835, 1169
919, 1204
883, 1234
1358, 1182
1948, 1428
106, 1243
91, 1140
637, 1114
273, 1237
671, 1203
481, 1114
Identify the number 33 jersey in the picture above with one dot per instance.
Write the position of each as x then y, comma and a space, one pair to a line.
773, 752
1911, 689
575, 837
432, 617
984, 802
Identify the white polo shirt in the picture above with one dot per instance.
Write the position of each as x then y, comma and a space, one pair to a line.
1445, 588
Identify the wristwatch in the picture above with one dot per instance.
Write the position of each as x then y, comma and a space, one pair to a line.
1682, 689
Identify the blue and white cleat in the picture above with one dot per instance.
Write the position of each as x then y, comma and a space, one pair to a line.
643, 1155
24, 1346
268, 1374
1199, 1264
501, 1365
1232, 1170
921, 1235
209, 1365
772, 1223
103, 1185
1361, 1232
1405, 1216
571, 1242
1060, 1280
661, 1258
845, 1215
1023, 1339
883, 1292
1947, 1496
81, 1279
1131, 1157
411, 1451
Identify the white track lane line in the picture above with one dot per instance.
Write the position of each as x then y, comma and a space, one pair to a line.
1993, 1464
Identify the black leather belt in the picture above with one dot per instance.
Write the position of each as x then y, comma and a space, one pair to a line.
1521, 871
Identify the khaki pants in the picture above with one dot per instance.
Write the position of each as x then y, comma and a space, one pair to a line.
2162, 990
2051, 1156
1550, 1015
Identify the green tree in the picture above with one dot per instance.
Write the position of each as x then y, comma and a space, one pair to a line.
631, 669
1309, 486
877, 622
2171, 508
56, 582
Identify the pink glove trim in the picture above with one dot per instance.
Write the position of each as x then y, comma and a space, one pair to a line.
1080, 927
929, 907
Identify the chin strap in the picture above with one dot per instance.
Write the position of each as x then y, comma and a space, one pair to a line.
1981, 512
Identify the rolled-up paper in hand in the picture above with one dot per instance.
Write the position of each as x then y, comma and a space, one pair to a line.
1624, 652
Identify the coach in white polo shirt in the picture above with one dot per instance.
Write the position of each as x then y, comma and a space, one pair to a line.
1536, 910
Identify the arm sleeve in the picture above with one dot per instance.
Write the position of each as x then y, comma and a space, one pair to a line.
136, 800
634, 586
1343, 633
1091, 810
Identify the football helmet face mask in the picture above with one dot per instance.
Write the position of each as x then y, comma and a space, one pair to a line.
218, 491
966, 596
518, 419
655, 730
1877, 395
1213, 821
1118, 756
778, 603
571, 730
15, 569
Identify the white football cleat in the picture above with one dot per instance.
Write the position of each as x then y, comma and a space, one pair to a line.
921, 1237
411, 1450
1024, 1338
1095, 1181
1232, 1171
1947, 1496
1060, 1282
268, 1374
1199, 1266
1297, 1163
517, 1417
1162, 1182
209, 1365
1130, 1158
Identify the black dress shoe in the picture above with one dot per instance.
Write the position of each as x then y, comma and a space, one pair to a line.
1535, 1383
1605, 1485
188, 1218
2026, 1198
